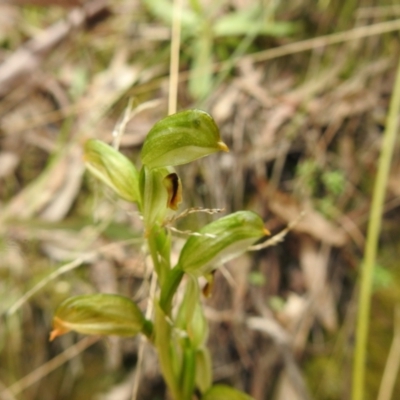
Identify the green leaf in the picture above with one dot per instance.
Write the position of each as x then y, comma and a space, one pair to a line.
222, 392
100, 314
220, 241
181, 138
113, 169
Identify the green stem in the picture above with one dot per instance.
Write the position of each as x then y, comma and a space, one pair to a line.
168, 290
159, 250
188, 373
148, 329
374, 227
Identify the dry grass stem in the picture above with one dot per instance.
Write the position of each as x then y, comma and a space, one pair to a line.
174, 59
90, 256
328, 40
279, 237
51, 365
142, 345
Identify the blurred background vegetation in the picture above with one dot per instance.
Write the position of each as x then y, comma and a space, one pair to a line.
300, 90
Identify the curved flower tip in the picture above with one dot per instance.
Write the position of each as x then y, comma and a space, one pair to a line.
58, 329
223, 147
267, 232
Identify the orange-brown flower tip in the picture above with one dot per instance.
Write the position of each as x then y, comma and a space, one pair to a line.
267, 232
55, 333
223, 147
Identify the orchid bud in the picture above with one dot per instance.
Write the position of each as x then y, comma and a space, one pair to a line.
100, 314
220, 241
113, 168
181, 138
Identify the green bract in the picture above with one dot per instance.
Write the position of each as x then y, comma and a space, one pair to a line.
99, 314
113, 168
221, 241
181, 138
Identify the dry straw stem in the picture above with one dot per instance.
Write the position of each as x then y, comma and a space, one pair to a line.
64, 269
291, 48
149, 312
374, 227
327, 40
378, 12
50, 366
392, 366
279, 236
174, 61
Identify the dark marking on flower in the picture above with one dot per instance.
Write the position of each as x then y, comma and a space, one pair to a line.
174, 189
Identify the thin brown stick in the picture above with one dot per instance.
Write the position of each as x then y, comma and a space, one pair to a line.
149, 311
279, 236
62, 270
51, 365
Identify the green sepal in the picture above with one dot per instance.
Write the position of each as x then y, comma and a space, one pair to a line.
100, 314
220, 241
190, 317
203, 369
223, 392
154, 195
113, 169
181, 138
